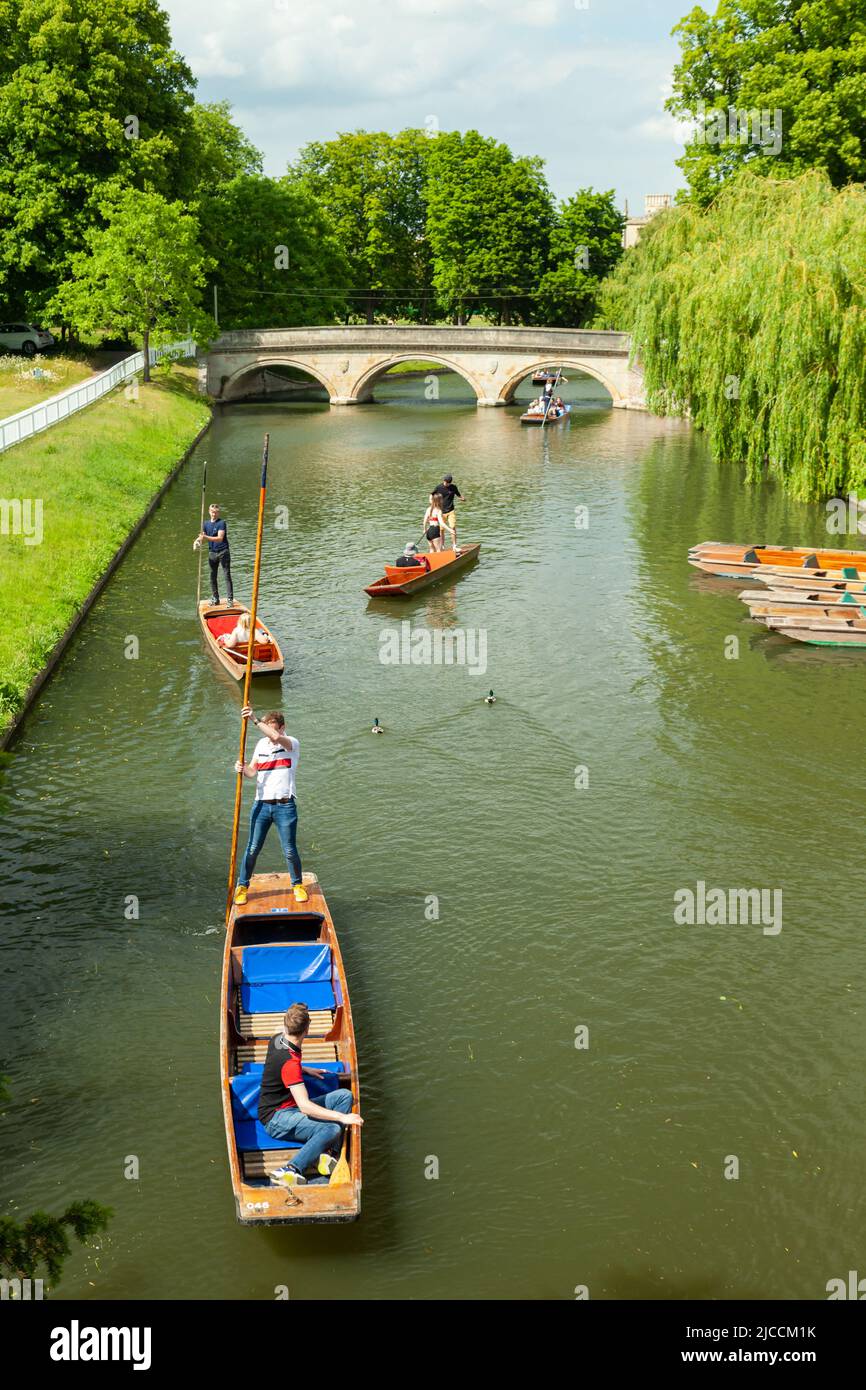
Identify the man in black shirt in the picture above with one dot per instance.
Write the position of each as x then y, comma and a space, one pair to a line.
215, 532
448, 490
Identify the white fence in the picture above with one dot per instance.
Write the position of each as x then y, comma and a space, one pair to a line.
48, 412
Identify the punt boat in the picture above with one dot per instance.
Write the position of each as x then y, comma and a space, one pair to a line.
820, 631
801, 603
733, 561
554, 416
279, 952
399, 581
217, 620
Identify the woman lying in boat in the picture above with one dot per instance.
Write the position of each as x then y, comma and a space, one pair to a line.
435, 523
240, 634
287, 1111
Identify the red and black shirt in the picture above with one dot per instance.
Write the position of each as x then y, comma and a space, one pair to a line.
282, 1070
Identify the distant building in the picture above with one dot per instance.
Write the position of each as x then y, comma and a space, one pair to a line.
654, 202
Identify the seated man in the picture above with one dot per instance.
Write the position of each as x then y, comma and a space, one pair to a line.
410, 558
286, 1110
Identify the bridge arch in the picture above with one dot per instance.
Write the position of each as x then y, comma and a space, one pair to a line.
506, 393
365, 384
260, 364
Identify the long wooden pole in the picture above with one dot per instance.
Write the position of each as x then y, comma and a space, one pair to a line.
251, 644
550, 402
200, 529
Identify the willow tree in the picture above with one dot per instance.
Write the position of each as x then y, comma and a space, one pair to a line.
751, 316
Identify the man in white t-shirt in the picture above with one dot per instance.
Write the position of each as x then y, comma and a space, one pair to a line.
273, 764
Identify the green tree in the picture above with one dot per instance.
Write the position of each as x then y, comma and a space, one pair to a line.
489, 221
750, 315
585, 245
805, 59
276, 256
92, 96
371, 185
216, 149
142, 273
43, 1240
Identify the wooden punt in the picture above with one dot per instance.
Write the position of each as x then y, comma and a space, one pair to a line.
821, 632
271, 921
400, 581
542, 378
217, 619
554, 416
802, 603
730, 561
850, 580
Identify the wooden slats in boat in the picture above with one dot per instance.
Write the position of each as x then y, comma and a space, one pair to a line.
399, 581
730, 561
218, 619
265, 1025
271, 917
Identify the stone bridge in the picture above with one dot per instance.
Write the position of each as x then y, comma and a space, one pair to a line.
348, 361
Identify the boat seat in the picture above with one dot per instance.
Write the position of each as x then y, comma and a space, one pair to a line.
245, 1089
264, 1025
273, 977
257, 1163
314, 1052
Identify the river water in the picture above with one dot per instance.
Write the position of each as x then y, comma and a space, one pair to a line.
559, 1165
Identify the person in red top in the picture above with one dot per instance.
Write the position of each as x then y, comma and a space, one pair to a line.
273, 764
286, 1110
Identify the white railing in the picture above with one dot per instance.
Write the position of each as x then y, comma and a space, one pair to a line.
48, 412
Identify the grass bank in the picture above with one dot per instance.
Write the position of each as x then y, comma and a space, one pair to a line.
19, 388
94, 476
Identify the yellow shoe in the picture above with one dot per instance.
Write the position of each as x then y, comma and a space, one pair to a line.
300, 892
240, 895
326, 1165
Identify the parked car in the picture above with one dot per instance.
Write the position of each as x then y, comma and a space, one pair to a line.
24, 337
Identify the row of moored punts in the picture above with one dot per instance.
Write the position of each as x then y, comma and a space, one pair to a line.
812, 596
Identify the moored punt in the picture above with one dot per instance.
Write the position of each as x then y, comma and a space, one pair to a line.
821, 632
848, 580
555, 415
217, 620
400, 581
792, 603
279, 952
733, 561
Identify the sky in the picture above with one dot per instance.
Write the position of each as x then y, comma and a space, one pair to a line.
580, 82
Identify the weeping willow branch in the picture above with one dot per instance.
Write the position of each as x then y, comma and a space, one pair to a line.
750, 315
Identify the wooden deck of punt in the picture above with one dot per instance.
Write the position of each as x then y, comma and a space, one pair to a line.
217, 618
271, 917
443, 563
820, 632
731, 561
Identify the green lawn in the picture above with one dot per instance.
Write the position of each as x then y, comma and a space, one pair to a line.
20, 389
95, 475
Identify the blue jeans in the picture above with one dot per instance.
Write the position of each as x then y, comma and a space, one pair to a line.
314, 1135
284, 815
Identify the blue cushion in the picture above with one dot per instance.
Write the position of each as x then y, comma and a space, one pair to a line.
256, 1068
245, 1088
266, 965
275, 998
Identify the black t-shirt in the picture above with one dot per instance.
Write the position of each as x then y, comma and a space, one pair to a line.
213, 528
282, 1070
408, 561
447, 491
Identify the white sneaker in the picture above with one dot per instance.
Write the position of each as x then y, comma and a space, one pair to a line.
287, 1177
